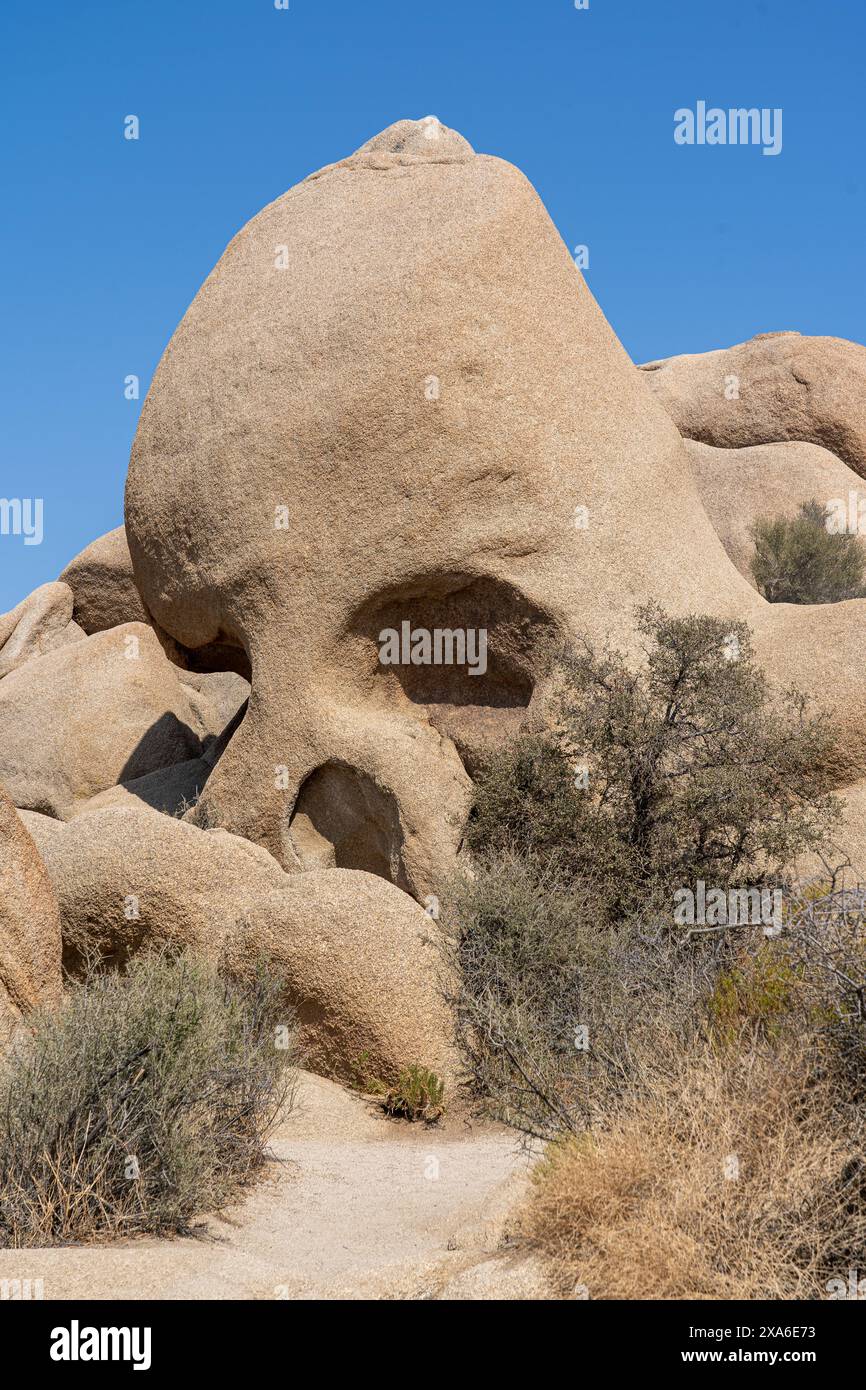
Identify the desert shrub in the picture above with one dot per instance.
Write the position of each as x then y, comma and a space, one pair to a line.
738, 1167
148, 1098
417, 1095
759, 990
559, 1011
809, 982
702, 1088
798, 560
729, 1180
525, 802
823, 946
363, 1077
692, 771
574, 981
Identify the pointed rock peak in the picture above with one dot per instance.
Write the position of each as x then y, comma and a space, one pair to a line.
425, 138
777, 333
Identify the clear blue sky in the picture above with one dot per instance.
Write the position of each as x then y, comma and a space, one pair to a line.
105, 241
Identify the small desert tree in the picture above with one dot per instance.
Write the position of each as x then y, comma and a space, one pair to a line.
799, 560
665, 772
657, 773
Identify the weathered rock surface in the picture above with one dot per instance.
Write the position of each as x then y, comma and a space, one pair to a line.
103, 584
400, 426
847, 854
223, 693
172, 790
175, 790
103, 710
106, 596
41, 623
365, 967
29, 924
776, 386
126, 877
360, 956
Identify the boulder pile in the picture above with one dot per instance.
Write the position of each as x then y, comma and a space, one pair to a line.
393, 406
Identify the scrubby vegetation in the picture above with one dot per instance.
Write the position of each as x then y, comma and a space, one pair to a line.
652, 780
702, 1085
146, 1100
658, 776
417, 1095
738, 1168
800, 560
726, 1179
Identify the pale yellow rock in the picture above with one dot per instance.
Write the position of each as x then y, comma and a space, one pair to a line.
106, 596
41, 623
738, 486
103, 585
29, 924
106, 709
776, 386
361, 958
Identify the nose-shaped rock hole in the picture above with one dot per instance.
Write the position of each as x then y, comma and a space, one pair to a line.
465, 648
343, 820
223, 654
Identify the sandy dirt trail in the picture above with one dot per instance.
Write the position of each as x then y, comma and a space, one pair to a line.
359, 1206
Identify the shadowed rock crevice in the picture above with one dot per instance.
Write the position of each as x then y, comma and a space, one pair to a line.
343, 820
486, 656
173, 788
216, 657
157, 747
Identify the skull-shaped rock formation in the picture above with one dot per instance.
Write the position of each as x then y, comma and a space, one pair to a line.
395, 401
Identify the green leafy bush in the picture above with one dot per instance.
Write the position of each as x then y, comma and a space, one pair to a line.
798, 560
148, 1098
418, 1095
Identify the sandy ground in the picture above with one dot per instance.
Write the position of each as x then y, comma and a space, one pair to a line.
359, 1206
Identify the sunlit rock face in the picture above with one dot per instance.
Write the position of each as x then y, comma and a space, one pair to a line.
395, 400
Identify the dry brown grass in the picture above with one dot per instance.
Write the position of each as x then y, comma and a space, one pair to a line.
644, 1210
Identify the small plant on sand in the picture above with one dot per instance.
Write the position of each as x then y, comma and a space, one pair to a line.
417, 1095
363, 1077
